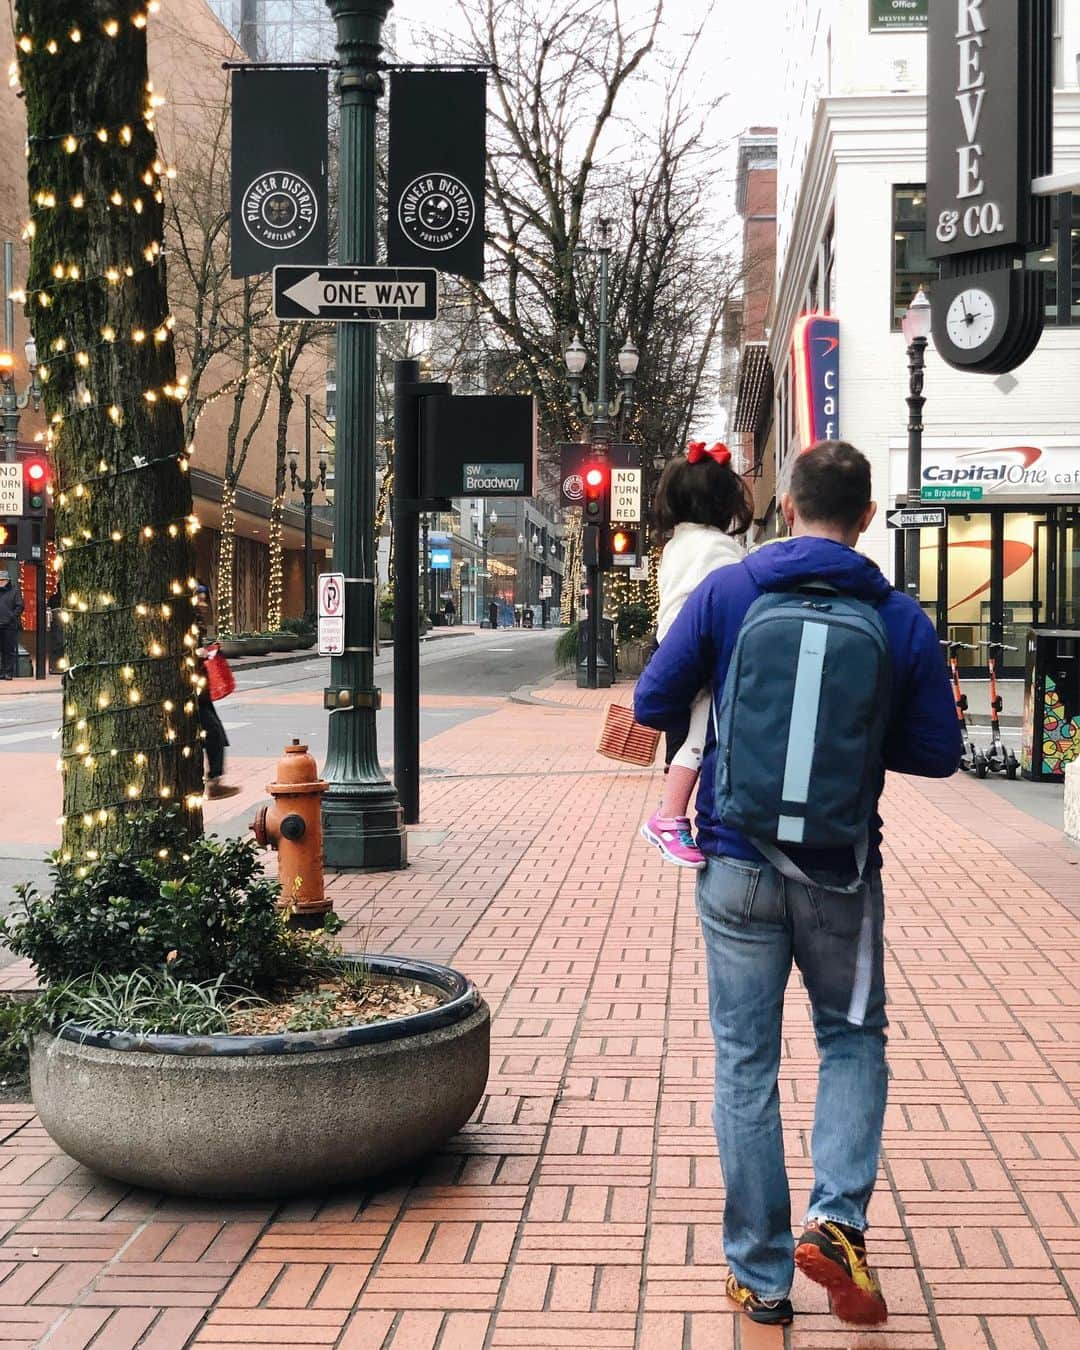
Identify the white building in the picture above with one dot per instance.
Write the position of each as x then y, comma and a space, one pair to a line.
851, 242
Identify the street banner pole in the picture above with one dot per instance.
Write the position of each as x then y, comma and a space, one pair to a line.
363, 825
406, 589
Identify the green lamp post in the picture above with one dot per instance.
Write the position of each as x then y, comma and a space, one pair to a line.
363, 825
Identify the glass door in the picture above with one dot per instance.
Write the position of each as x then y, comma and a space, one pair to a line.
969, 552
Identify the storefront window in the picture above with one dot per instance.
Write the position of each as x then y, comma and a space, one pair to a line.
1018, 582
969, 582
911, 267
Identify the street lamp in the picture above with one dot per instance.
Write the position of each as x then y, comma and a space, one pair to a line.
486, 536
307, 486
915, 325
13, 403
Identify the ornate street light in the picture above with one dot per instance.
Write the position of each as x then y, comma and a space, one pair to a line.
916, 325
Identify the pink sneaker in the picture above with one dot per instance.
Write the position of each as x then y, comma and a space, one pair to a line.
674, 840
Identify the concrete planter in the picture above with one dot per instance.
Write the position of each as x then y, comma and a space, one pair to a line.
221, 1116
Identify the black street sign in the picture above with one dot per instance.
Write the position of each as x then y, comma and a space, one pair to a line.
356, 294
917, 518
477, 446
898, 16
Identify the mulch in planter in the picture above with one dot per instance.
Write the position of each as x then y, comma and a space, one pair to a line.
330, 1005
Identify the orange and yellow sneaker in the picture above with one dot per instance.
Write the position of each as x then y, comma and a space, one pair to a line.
834, 1256
776, 1312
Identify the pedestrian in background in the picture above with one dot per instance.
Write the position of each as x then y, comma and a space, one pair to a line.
449, 610
775, 893
701, 503
214, 738
11, 608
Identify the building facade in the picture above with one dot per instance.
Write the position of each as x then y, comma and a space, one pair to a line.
851, 224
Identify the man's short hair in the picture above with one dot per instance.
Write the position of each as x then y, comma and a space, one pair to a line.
830, 484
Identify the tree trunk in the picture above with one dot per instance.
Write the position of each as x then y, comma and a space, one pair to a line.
277, 506
98, 306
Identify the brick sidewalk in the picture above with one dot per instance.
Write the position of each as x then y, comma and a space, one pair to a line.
582, 1206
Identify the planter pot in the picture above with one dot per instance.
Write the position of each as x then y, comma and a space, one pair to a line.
255, 644
386, 630
285, 642
232, 647
632, 655
222, 1116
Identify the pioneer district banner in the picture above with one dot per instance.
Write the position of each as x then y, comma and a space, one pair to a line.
438, 161
279, 168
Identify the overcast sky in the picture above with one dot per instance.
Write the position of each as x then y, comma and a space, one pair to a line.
738, 55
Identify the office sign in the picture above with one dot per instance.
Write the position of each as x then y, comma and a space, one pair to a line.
359, 294
437, 172
816, 350
11, 488
898, 16
989, 124
279, 168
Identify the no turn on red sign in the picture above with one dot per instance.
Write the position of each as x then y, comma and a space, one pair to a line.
331, 590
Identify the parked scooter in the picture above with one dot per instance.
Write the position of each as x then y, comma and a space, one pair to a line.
995, 759
970, 755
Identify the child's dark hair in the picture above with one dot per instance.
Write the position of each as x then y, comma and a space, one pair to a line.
705, 492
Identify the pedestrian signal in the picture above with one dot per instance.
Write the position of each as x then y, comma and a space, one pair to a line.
5, 535
623, 546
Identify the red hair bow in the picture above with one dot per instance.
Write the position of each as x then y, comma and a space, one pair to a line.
696, 451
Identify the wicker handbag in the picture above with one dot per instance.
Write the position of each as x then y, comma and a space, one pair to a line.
624, 739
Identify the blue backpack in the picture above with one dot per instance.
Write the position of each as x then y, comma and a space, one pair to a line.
801, 723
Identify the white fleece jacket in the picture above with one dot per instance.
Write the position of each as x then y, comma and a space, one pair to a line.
692, 552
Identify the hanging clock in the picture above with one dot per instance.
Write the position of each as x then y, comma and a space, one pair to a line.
988, 322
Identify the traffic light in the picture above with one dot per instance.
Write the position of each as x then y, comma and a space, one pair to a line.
597, 493
35, 485
5, 535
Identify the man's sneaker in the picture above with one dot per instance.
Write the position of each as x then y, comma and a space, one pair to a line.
776, 1312
674, 840
834, 1255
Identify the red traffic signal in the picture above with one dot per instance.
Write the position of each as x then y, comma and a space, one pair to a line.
621, 543
597, 493
35, 485
5, 535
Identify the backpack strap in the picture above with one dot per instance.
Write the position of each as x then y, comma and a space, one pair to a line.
786, 867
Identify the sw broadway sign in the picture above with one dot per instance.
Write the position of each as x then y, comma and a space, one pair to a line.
359, 294
988, 133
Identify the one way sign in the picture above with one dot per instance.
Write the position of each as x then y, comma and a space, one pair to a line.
917, 518
356, 294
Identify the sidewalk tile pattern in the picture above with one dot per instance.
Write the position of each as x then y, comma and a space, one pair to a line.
581, 1207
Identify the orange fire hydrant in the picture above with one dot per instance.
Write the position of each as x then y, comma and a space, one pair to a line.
292, 825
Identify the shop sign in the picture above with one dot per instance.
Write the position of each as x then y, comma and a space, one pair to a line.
892, 16
1002, 471
440, 559
975, 125
816, 349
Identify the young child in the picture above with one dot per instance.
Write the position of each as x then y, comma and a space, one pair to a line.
700, 504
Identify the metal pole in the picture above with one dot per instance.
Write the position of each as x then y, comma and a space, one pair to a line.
40, 651
406, 598
425, 561
363, 824
10, 429
309, 495
915, 402
602, 417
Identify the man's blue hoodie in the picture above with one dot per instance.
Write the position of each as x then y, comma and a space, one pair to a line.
923, 735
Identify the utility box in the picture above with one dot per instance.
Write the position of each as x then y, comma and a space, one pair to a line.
605, 655
1050, 738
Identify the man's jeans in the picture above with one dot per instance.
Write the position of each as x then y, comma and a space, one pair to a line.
755, 921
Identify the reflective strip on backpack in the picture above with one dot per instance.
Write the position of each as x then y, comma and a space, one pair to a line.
802, 730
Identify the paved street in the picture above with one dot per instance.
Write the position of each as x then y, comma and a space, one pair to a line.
464, 676
581, 1207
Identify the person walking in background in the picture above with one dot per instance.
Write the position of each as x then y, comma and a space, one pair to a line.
449, 610
214, 740
11, 608
833, 678
701, 502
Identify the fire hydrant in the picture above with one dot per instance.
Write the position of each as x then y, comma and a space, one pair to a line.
292, 825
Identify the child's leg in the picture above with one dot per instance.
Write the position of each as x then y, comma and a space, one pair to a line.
683, 771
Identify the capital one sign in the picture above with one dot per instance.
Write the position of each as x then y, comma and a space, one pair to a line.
978, 152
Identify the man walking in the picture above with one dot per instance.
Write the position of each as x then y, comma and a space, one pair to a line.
778, 895
11, 608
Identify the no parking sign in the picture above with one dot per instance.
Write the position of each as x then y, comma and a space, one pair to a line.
332, 614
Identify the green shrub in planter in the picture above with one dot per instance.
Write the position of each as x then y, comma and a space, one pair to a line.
304, 630
204, 910
566, 647
633, 621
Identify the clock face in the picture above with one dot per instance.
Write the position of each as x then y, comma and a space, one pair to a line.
970, 319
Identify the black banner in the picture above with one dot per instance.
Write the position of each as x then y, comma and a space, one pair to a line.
438, 162
279, 159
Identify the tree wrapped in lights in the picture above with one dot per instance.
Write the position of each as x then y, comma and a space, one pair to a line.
97, 302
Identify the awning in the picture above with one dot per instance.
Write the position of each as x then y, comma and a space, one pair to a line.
755, 387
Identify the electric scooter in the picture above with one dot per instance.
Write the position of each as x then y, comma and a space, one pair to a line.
968, 758
996, 759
